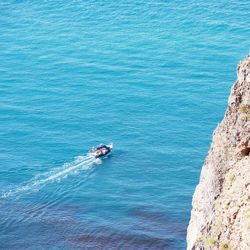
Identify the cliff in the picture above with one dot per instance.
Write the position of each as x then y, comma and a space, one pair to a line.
220, 218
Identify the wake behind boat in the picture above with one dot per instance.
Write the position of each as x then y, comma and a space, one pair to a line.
101, 150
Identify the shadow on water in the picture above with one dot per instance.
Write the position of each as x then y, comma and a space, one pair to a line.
156, 219
118, 241
61, 225
148, 230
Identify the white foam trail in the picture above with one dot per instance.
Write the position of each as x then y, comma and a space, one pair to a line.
80, 162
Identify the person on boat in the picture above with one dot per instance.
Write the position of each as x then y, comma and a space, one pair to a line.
93, 149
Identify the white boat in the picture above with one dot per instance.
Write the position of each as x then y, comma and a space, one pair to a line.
102, 150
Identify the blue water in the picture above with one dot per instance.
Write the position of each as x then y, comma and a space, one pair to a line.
151, 76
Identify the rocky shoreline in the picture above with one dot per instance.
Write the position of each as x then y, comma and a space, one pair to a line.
220, 218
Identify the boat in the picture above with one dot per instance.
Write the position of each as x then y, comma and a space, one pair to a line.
101, 150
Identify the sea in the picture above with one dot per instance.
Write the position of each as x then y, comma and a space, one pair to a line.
153, 77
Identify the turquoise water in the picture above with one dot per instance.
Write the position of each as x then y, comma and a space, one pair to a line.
151, 76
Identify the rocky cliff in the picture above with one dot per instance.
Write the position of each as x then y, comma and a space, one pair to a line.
220, 217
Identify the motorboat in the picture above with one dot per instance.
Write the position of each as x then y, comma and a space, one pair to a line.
101, 150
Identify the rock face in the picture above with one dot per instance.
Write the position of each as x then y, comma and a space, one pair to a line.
220, 217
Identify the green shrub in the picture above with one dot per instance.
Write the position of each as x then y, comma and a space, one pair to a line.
244, 108
210, 242
218, 223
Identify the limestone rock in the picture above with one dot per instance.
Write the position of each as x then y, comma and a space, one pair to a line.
220, 218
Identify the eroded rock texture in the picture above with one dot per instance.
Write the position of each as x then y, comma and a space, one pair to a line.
220, 218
